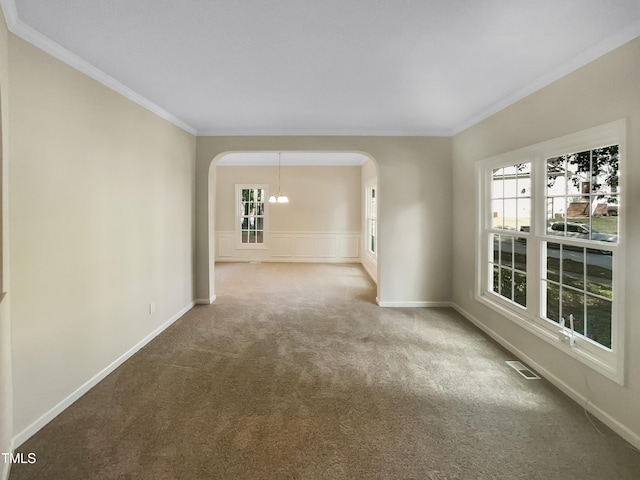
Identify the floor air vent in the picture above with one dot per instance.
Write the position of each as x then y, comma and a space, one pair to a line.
522, 370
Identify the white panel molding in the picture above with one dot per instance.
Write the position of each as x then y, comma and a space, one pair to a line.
24, 31
349, 247
314, 247
28, 432
326, 247
281, 246
225, 245
629, 435
305, 247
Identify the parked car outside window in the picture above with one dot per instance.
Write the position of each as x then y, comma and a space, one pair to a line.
580, 230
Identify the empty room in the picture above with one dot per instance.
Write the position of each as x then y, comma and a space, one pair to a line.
300, 239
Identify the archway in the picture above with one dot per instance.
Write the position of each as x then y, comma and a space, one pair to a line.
303, 231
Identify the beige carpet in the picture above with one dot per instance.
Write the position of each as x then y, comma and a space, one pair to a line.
295, 373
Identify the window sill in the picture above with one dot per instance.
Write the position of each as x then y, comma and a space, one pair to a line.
251, 247
612, 369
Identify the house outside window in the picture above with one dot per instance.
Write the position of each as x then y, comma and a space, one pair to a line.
251, 218
551, 242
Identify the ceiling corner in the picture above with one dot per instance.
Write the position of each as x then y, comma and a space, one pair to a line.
30, 35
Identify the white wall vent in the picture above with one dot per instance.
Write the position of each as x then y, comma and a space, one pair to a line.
522, 370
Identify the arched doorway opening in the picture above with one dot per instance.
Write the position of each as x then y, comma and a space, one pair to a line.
329, 218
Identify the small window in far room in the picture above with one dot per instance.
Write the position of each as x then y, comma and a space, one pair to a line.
371, 220
251, 218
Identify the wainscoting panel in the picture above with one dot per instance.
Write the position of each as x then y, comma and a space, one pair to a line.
349, 248
225, 245
281, 246
305, 247
327, 247
293, 247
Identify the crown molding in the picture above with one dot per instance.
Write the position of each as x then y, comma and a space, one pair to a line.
323, 133
10, 13
24, 31
611, 43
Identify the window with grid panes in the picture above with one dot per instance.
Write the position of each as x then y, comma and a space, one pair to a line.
371, 219
510, 214
251, 220
582, 199
551, 241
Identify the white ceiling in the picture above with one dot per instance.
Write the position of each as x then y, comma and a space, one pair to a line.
325, 67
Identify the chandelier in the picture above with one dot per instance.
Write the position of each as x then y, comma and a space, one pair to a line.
280, 197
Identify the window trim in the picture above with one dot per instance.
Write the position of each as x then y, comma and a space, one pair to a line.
237, 217
371, 187
608, 363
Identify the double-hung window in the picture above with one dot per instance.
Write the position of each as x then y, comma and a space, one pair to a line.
551, 242
251, 216
510, 217
371, 219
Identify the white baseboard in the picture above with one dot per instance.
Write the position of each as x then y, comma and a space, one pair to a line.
629, 435
205, 301
369, 268
417, 304
283, 259
28, 432
6, 466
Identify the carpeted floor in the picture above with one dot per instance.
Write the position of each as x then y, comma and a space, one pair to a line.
295, 373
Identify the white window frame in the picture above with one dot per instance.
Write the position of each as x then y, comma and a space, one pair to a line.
238, 215
371, 203
607, 362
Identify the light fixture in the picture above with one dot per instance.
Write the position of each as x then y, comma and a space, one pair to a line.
281, 197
